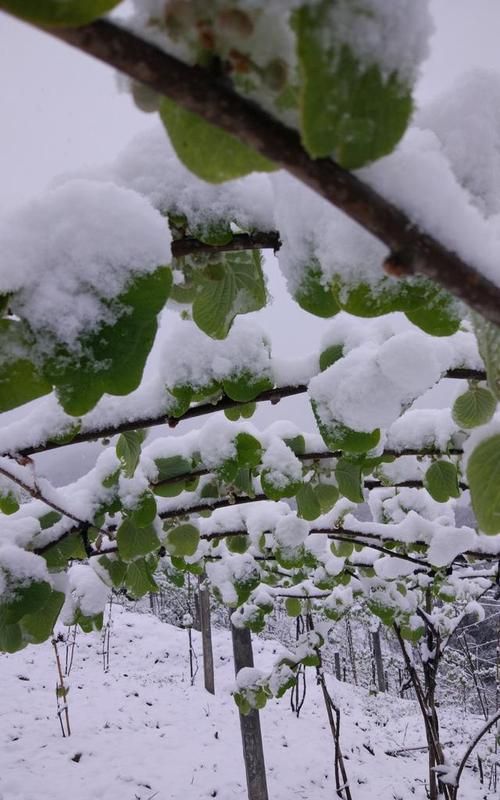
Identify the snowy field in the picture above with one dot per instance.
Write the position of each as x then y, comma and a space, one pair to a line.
141, 731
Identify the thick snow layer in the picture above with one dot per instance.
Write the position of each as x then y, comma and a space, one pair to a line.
79, 246
141, 730
191, 358
372, 384
149, 166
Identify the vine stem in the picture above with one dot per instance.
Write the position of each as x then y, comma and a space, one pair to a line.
412, 250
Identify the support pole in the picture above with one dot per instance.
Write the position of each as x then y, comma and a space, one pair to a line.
251, 735
379, 664
206, 636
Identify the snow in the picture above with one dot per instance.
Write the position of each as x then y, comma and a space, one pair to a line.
86, 593
78, 247
281, 464
149, 166
191, 358
140, 730
20, 567
291, 531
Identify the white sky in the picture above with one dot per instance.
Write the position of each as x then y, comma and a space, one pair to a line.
61, 111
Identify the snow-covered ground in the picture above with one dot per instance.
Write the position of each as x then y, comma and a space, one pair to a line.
141, 731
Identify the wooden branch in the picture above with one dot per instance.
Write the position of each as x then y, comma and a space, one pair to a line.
37, 494
187, 245
413, 251
272, 396
326, 455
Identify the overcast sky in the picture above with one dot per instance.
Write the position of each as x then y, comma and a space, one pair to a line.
60, 111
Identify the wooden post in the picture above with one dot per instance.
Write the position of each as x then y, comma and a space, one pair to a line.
338, 673
251, 736
206, 636
379, 664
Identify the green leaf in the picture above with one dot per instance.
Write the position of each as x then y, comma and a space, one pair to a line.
26, 600
144, 513
8, 503
38, 626
342, 549
49, 519
313, 296
246, 411
297, 444
58, 555
134, 541
210, 490
348, 475
20, 380
111, 358
139, 578
412, 634
59, 12
440, 316
308, 506
68, 434
234, 285
347, 109
88, 624
248, 450
278, 492
330, 356
245, 386
488, 340
182, 540
384, 613
243, 481
293, 607
208, 151
128, 450
327, 496
475, 407
112, 479
483, 474
386, 295
441, 481
11, 638
115, 568
168, 468
237, 544
214, 233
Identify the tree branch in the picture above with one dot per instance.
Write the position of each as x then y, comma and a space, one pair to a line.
272, 396
36, 494
413, 251
187, 245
